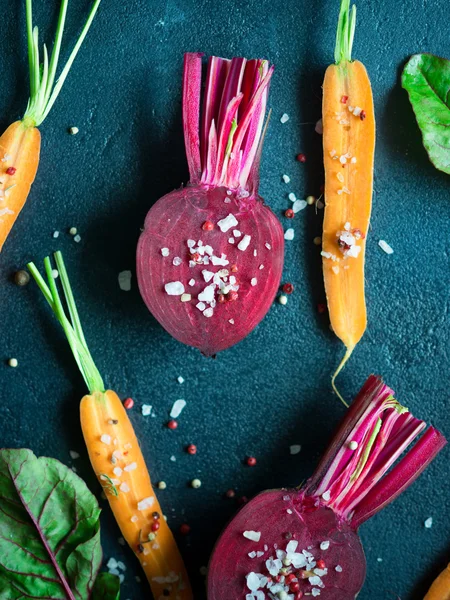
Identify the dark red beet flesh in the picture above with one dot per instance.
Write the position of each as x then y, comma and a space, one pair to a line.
309, 525
178, 217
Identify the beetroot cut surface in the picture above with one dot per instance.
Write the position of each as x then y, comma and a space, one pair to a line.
285, 543
210, 258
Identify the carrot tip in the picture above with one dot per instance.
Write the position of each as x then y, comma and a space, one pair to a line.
341, 365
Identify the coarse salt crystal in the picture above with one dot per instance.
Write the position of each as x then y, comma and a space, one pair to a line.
185, 297
268, 246
131, 467
289, 511
343, 159
208, 294
227, 223
124, 487
201, 306
385, 247
117, 471
207, 275
165, 251
335, 269
208, 312
325, 545
105, 438
428, 523
292, 197
177, 261
236, 233
353, 251
338, 569
145, 503
326, 495
353, 160
222, 261
291, 547
56, 234
125, 281
177, 407
74, 455
244, 243
191, 243
134, 519
286, 178
357, 111
254, 536
174, 288
112, 563
299, 205
231, 240
231, 321
295, 448
315, 592
146, 409
255, 252
77, 239
173, 458
252, 554
284, 118
252, 581
191, 282
254, 281
340, 177
180, 379
289, 234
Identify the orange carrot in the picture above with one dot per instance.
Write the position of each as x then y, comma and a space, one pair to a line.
20, 144
348, 145
440, 588
116, 456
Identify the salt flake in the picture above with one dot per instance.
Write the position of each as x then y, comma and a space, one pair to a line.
289, 234
227, 223
295, 448
244, 243
174, 288
177, 407
254, 536
385, 247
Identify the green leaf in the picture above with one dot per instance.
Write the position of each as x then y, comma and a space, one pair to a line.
107, 587
426, 78
49, 530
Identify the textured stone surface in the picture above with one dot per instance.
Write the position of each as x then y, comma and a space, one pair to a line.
273, 389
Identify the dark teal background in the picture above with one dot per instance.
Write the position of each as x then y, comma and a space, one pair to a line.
273, 389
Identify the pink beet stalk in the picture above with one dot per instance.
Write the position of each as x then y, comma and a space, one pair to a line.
210, 258
354, 480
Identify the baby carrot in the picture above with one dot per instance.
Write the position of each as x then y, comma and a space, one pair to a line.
440, 588
20, 144
348, 146
116, 456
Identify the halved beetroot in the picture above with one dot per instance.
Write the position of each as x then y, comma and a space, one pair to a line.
288, 544
210, 258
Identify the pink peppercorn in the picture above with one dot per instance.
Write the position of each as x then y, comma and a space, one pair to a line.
301, 157
232, 296
155, 526
289, 213
172, 424
294, 587
11, 170
250, 461
299, 596
191, 449
289, 578
230, 494
128, 403
287, 288
185, 529
362, 115
321, 564
321, 308
208, 226
344, 99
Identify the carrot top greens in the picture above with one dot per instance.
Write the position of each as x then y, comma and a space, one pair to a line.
43, 89
71, 326
345, 33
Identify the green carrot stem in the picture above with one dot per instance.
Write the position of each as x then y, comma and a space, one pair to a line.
345, 33
71, 327
43, 90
